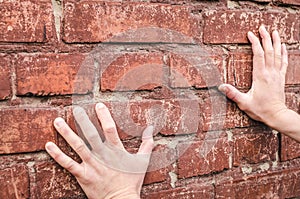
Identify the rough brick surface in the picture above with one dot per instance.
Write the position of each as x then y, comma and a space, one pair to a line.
5, 75
196, 156
128, 22
193, 191
26, 129
61, 74
239, 69
269, 185
254, 145
152, 62
195, 70
292, 2
14, 182
52, 181
26, 21
229, 26
134, 71
293, 71
290, 149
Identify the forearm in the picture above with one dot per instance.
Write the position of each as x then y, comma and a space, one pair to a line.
286, 122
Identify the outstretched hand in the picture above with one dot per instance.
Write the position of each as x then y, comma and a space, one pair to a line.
107, 170
266, 98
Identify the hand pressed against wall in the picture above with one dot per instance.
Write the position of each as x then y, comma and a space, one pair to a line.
107, 170
266, 97
265, 101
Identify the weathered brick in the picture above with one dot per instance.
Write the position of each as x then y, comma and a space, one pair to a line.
134, 71
26, 21
160, 164
229, 26
52, 181
290, 149
239, 69
203, 157
292, 2
278, 184
14, 182
192, 191
254, 145
5, 69
53, 74
26, 129
169, 117
293, 70
197, 70
128, 22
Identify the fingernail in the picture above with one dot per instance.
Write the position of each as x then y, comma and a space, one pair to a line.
222, 88
58, 122
100, 105
148, 133
50, 146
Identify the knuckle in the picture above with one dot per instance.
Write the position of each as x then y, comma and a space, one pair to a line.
110, 129
80, 146
69, 165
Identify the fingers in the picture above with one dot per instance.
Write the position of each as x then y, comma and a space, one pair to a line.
64, 160
74, 141
147, 141
258, 54
89, 130
267, 46
232, 93
108, 126
277, 49
284, 61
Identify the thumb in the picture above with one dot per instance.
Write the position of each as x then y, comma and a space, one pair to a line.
147, 141
232, 93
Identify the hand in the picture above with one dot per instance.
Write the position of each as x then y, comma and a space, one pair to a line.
107, 170
266, 99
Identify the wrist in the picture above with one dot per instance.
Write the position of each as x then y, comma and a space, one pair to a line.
287, 122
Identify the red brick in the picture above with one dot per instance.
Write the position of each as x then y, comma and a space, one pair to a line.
169, 117
128, 22
232, 26
215, 112
196, 70
278, 184
26, 129
254, 145
193, 191
52, 181
161, 163
239, 69
52, 74
134, 71
203, 157
218, 113
5, 69
292, 2
290, 149
293, 71
26, 21
14, 182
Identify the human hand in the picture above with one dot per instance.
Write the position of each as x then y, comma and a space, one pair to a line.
266, 99
107, 170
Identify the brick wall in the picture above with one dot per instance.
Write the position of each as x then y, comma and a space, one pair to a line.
155, 61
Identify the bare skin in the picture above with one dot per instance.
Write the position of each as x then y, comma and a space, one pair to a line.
265, 101
106, 170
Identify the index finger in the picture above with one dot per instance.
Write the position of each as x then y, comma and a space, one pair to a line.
258, 54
